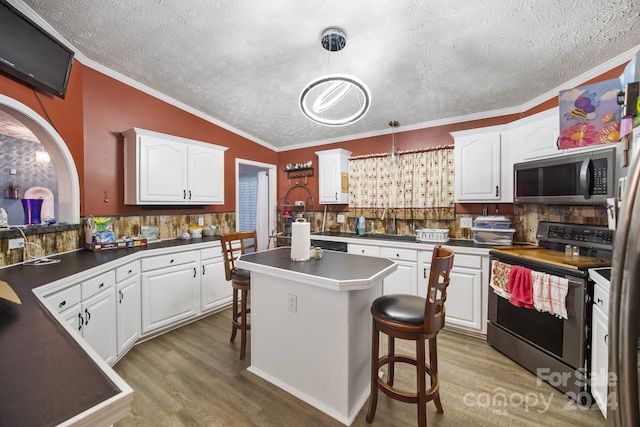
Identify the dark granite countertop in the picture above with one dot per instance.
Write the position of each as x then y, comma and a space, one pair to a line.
46, 377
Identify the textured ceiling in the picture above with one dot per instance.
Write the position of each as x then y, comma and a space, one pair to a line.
244, 63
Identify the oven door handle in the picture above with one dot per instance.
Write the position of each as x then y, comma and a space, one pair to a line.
585, 178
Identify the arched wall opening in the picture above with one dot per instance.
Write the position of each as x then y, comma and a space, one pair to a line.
67, 175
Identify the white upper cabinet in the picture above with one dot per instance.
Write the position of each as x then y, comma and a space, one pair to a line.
483, 166
535, 136
205, 174
164, 169
333, 176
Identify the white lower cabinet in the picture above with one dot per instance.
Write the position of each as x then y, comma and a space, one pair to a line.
169, 289
129, 315
89, 308
405, 279
112, 309
466, 303
367, 250
600, 348
215, 291
99, 328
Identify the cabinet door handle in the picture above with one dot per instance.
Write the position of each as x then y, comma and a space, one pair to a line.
62, 304
496, 191
336, 195
599, 301
101, 285
80, 321
121, 296
424, 273
195, 272
606, 339
184, 194
203, 270
87, 315
189, 194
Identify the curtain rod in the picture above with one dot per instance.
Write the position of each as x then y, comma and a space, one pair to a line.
417, 150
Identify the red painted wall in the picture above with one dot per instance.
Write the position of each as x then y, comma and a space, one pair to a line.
111, 107
65, 114
92, 115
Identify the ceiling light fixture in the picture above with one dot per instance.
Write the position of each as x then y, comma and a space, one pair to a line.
42, 157
335, 99
393, 154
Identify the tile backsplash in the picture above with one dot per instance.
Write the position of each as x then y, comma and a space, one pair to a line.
525, 220
44, 241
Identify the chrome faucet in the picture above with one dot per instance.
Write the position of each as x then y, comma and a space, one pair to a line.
384, 212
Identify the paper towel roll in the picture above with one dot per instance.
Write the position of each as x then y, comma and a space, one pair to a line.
300, 240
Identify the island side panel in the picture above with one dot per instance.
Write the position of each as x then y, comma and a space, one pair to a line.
360, 324
320, 353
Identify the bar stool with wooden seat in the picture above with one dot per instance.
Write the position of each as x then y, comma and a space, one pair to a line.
411, 317
234, 245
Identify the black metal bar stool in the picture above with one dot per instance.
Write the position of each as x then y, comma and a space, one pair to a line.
411, 317
234, 245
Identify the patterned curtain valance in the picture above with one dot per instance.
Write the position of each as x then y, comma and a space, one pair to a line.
418, 185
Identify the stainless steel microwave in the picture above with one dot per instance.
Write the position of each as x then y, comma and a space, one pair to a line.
585, 178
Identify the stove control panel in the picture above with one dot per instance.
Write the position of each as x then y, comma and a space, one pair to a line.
577, 234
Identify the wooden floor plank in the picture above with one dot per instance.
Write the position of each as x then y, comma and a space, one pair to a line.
192, 377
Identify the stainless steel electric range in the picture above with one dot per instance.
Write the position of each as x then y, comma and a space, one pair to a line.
557, 350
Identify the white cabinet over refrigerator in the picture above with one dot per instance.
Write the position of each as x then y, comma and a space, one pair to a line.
535, 136
163, 169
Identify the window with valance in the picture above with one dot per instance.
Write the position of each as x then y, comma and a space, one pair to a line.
419, 184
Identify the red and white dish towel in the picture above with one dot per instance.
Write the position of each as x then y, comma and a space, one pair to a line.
541, 291
520, 287
500, 278
550, 293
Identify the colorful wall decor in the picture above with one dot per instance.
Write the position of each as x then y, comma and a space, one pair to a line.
590, 115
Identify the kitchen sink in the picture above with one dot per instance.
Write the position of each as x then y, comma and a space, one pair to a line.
396, 237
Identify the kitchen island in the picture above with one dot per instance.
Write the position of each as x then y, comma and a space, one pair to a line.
311, 325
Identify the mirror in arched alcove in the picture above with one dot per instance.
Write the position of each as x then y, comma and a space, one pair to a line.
68, 184
25, 164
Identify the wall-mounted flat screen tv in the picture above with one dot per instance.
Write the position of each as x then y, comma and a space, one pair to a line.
31, 55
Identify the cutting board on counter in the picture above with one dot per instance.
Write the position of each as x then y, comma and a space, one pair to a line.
535, 253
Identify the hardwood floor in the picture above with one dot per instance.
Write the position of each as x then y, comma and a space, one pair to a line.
192, 377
